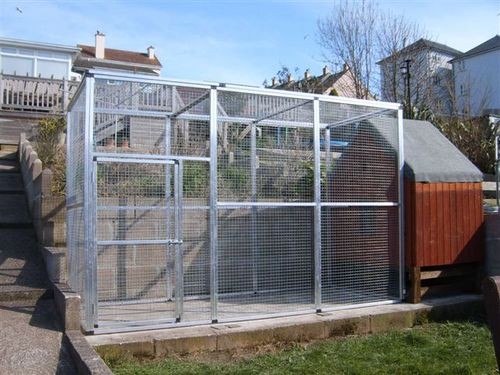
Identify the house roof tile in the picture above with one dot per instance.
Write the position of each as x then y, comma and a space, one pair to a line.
120, 56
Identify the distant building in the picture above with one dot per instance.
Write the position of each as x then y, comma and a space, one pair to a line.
98, 56
477, 79
431, 83
339, 84
36, 59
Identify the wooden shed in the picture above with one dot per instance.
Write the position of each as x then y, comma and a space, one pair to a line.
443, 213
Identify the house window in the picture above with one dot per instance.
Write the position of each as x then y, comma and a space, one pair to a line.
436, 80
463, 89
34, 63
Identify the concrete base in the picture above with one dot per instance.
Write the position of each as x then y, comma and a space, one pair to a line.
68, 306
221, 337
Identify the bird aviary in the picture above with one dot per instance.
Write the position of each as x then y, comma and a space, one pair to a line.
192, 203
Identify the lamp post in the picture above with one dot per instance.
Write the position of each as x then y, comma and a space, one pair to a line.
405, 71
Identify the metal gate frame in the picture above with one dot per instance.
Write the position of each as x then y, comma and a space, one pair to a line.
178, 296
90, 321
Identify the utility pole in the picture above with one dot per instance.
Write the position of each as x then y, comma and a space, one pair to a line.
405, 71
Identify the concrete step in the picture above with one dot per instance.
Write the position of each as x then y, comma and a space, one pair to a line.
9, 166
14, 211
22, 271
11, 183
8, 154
8, 146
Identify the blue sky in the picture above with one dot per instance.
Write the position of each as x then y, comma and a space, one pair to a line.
239, 41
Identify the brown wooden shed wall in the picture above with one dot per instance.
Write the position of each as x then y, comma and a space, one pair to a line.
443, 223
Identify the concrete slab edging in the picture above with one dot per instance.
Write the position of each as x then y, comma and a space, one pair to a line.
85, 358
229, 336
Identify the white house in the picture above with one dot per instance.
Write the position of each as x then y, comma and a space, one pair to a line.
430, 75
477, 79
36, 59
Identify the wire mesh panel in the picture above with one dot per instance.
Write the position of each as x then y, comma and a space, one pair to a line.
75, 158
228, 203
360, 218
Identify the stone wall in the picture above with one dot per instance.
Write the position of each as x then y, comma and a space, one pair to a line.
47, 211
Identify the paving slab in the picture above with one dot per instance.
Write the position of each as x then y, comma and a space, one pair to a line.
32, 340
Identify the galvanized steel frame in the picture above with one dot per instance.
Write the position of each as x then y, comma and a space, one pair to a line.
90, 319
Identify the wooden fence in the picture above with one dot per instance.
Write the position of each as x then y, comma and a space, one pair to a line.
31, 94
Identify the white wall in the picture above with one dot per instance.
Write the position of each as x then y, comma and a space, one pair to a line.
426, 64
477, 83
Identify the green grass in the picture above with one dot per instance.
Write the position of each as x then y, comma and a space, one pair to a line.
434, 348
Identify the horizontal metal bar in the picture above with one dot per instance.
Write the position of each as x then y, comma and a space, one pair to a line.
117, 76
148, 208
137, 242
327, 308
359, 118
132, 112
148, 156
106, 159
359, 204
264, 204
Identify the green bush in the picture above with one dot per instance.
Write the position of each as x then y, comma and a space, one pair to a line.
47, 139
51, 153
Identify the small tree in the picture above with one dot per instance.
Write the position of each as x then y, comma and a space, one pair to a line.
348, 37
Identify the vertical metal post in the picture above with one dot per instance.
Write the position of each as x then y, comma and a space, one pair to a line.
214, 287
317, 206
89, 205
401, 163
69, 195
253, 168
168, 193
328, 164
179, 256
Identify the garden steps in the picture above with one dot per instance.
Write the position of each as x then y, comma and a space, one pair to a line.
30, 330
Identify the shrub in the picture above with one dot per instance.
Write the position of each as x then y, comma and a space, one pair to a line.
47, 139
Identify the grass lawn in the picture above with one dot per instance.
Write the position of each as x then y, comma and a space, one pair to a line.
434, 348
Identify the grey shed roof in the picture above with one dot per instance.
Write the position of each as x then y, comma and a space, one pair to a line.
431, 157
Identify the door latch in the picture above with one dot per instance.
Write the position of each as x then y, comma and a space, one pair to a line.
175, 242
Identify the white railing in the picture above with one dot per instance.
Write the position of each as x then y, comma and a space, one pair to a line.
18, 93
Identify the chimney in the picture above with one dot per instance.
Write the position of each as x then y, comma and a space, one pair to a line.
289, 77
151, 52
326, 70
99, 45
307, 74
273, 81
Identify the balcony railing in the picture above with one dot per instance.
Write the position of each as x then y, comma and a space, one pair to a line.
30, 94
